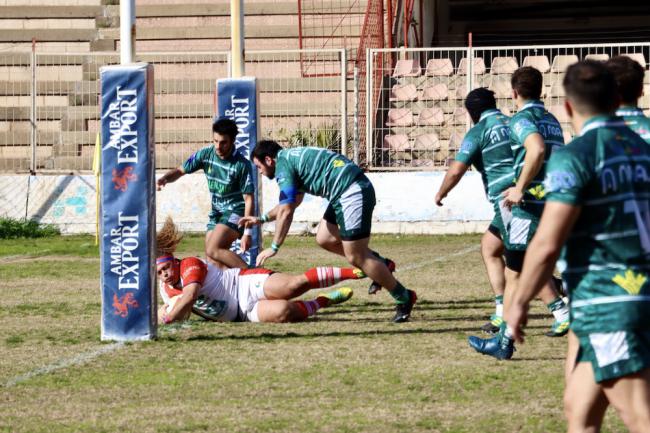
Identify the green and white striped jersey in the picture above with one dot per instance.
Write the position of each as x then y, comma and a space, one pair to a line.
606, 260
487, 147
228, 179
315, 171
534, 118
636, 121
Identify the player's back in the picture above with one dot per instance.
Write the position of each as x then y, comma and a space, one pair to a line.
496, 154
607, 256
316, 171
218, 295
636, 121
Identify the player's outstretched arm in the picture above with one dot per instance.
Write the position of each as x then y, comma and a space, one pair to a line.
283, 221
557, 222
452, 177
171, 176
183, 307
248, 212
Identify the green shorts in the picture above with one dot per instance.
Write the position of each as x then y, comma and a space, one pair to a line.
228, 219
497, 221
521, 228
352, 212
615, 354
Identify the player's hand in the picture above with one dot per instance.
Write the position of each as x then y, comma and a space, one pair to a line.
248, 221
161, 182
512, 197
439, 198
266, 254
516, 316
161, 312
245, 244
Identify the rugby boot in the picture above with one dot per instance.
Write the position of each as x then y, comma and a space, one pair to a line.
499, 347
403, 311
559, 328
337, 296
494, 325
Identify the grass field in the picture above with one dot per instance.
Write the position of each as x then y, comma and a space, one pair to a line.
348, 370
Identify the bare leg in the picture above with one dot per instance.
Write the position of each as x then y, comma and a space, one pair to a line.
329, 238
285, 286
359, 255
217, 247
630, 396
571, 356
492, 253
584, 401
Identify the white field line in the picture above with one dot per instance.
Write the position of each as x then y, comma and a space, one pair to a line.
79, 359
9, 259
439, 259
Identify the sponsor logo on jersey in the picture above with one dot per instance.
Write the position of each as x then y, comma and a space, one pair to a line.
630, 282
121, 178
559, 180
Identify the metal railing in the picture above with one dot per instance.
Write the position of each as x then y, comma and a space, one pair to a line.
49, 104
418, 120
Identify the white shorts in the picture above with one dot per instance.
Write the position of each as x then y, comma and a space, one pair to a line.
250, 290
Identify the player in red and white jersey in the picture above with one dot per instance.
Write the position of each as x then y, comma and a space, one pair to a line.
256, 295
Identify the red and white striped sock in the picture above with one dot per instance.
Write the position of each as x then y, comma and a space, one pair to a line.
326, 276
309, 308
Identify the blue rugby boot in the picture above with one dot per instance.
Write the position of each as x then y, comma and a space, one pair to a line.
499, 347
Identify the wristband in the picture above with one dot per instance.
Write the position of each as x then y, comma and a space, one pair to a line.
248, 232
265, 218
275, 247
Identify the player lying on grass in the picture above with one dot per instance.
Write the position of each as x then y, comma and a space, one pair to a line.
255, 295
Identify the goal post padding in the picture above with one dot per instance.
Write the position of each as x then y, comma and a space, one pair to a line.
128, 203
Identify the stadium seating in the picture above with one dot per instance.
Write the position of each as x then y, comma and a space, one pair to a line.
407, 68
597, 57
398, 142
504, 65
399, 117
459, 116
500, 85
538, 62
556, 90
439, 67
638, 57
431, 117
562, 61
427, 142
478, 66
436, 92
404, 92
559, 112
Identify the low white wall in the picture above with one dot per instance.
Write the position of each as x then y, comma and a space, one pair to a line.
405, 203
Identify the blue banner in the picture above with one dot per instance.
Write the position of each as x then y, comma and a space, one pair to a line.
237, 100
128, 206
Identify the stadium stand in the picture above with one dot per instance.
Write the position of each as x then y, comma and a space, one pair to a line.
538, 62
407, 68
439, 67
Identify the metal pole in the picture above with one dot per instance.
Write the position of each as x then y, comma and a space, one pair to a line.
237, 37
369, 119
356, 115
32, 138
127, 31
344, 103
470, 73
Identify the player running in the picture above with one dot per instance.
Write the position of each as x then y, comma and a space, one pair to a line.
345, 227
228, 174
629, 82
534, 133
255, 295
487, 147
597, 208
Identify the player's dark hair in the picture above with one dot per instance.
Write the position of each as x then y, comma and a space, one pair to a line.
528, 82
591, 87
266, 148
478, 101
225, 126
629, 78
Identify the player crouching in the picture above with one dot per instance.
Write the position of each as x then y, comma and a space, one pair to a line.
226, 295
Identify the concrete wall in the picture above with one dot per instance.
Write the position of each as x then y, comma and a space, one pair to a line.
405, 203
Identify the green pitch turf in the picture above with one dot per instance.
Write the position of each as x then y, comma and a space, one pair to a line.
347, 370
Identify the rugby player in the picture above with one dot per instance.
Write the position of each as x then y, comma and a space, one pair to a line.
598, 189
224, 295
345, 226
534, 133
228, 174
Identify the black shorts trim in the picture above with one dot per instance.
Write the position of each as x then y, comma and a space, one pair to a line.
494, 230
515, 259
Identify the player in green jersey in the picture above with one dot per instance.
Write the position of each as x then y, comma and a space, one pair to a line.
228, 174
534, 133
597, 208
629, 81
486, 146
345, 227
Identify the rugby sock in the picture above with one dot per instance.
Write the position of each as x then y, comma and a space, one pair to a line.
328, 276
309, 308
498, 300
400, 294
559, 309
